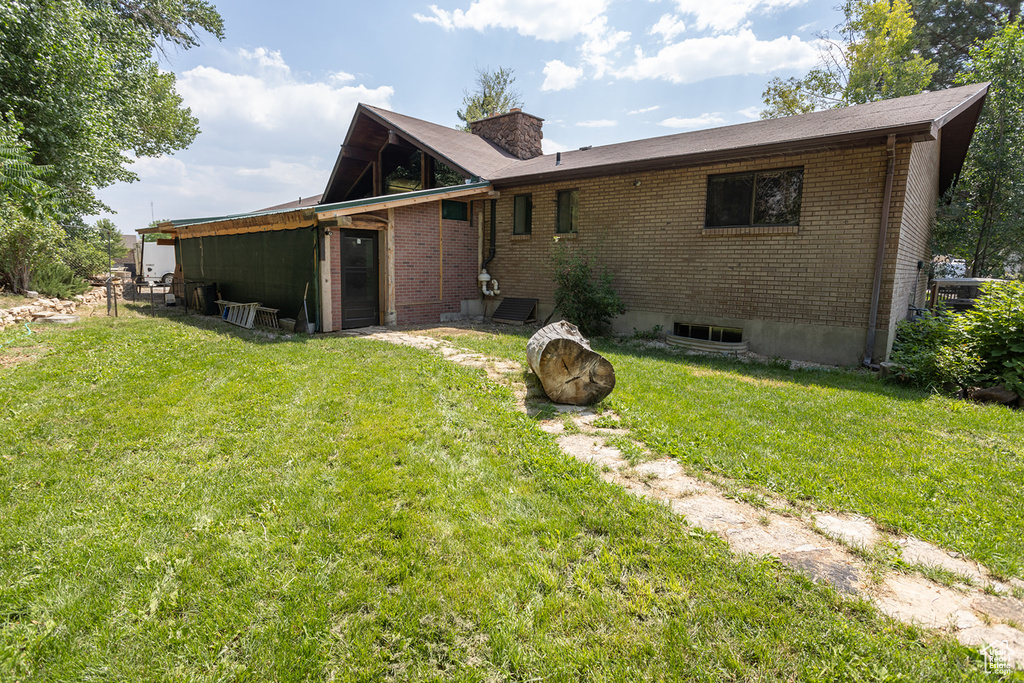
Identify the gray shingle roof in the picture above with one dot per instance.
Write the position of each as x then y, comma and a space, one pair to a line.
919, 114
302, 202
471, 152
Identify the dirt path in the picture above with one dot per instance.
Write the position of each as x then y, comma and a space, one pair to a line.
849, 552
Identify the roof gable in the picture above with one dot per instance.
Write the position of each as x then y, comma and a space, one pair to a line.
372, 129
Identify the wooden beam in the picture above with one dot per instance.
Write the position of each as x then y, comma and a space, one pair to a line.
358, 153
426, 171
390, 309
326, 296
386, 203
240, 226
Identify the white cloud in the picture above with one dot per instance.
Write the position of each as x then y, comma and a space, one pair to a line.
726, 15
269, 136
699, 59
549, 146
560, 76
274, 103
668, 27
599, 123
702, 121
750, 112
286, 173
251, 187
645, 110
268, 59
601, 44
556, 20
340, 77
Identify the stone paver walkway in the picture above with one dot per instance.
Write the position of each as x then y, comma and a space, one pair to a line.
847, 551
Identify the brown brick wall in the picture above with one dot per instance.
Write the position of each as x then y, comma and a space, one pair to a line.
427, 249
653, 239
914, 231
419, 266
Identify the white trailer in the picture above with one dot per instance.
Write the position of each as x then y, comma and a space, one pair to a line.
155, 262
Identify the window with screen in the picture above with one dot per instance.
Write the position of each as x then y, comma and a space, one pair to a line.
754, 199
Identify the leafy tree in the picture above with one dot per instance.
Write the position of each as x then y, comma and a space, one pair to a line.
175, 21
982, 217
20, 180
947, 30
494, 94
874, 59
79, 84
25, 243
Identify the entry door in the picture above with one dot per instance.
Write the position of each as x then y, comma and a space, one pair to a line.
359, 279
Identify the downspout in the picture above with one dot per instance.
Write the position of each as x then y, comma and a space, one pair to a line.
488, 285
883, 234
494, 230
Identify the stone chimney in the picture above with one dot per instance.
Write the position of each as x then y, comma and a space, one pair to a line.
516, 132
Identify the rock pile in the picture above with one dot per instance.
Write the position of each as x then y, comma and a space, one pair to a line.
43, 309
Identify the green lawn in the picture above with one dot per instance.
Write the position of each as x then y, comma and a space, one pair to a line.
944, 470
181, 501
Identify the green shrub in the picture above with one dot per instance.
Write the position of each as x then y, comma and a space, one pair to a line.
24, 242
84, 258
584, 298
55, 279
982, 346
994, 328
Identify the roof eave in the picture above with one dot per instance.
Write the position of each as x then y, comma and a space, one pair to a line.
919, 131
194, 227
357, 206
964, 105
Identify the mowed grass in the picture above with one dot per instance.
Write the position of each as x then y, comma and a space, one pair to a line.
945, 470
181, 501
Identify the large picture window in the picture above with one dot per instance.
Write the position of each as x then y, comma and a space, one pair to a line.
759, 198
567, 219
522, 214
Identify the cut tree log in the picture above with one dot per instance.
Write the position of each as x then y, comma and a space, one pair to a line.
569, 370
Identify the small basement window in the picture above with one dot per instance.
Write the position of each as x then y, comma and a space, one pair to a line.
761, 198
730, 335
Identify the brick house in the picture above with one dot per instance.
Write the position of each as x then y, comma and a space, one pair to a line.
804, 237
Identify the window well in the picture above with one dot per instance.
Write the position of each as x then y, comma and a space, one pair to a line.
708, 338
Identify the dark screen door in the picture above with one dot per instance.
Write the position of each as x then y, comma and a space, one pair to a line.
359, 282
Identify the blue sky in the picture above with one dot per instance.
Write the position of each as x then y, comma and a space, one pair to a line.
275, 98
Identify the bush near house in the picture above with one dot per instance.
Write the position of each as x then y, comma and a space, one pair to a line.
584, 297
984, 346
